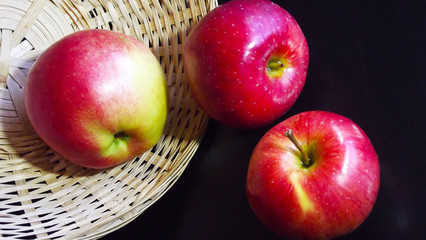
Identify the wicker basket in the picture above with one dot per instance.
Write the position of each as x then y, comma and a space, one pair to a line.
44, 196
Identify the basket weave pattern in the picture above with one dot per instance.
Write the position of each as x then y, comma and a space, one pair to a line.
44, 196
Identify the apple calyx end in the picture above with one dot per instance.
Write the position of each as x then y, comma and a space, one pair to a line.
306, 160
276, 66
121, 136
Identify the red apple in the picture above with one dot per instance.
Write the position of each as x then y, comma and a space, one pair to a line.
313, 176
98, 98
246, 62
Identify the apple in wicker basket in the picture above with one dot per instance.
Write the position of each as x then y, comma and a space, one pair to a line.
313, 176
98, 98
246, 62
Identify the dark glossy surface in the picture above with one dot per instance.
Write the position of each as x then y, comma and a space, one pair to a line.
367, 63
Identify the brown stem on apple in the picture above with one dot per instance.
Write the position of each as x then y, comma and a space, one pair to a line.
305, 158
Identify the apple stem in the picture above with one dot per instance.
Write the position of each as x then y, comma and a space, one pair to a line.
305, 158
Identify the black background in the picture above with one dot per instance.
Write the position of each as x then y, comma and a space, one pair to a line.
367, 62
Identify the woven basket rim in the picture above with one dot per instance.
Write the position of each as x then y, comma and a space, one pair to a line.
42, 195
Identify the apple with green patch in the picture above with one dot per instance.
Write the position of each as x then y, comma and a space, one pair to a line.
98, 98
246, 62
313, 176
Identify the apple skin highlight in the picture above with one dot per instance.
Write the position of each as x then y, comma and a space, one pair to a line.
330, 197
98, 98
